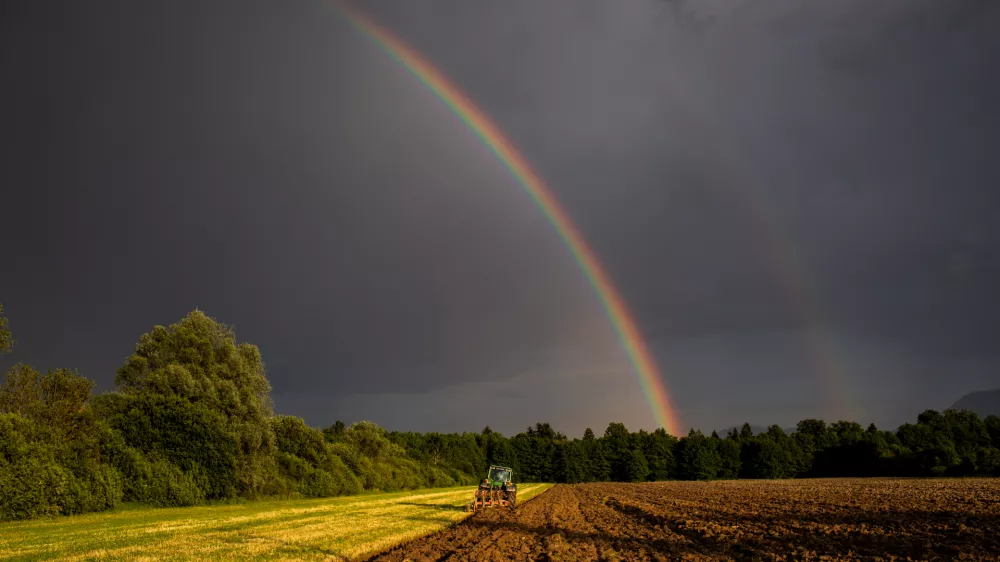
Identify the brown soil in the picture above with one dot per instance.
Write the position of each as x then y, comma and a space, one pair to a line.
843, 519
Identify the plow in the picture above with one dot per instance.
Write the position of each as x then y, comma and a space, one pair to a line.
496, 490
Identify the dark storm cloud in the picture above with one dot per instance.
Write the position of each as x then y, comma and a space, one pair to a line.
265, 163
867, 131
271, 168
680, 134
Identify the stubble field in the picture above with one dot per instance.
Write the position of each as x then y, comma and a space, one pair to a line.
345, 528
835, 519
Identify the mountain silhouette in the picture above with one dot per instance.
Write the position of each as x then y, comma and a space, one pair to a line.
985, 402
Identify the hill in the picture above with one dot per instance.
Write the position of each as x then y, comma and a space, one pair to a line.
985, 402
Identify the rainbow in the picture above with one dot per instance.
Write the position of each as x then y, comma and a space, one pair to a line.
492, 137
791, 272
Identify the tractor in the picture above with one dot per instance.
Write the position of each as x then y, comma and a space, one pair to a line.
497, 489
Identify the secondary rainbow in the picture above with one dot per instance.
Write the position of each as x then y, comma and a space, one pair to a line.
479, 123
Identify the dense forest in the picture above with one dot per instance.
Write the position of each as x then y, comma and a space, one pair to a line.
190, 421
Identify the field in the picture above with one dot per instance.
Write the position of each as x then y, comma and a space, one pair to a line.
844, 519
328, 529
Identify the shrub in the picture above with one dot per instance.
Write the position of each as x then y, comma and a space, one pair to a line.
35, 479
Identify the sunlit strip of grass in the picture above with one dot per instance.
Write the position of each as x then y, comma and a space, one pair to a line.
323, 529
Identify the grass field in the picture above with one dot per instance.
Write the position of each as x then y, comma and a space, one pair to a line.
326, 529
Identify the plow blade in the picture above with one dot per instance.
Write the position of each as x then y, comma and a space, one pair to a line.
485, 499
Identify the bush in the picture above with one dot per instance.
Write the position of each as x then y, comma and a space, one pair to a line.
188, 435
157, 482
35, 479
32, 487
348, 455
99, 490
346, 481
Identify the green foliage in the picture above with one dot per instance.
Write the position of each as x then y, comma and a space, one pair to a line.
698, 457
658, 449
38, 475
499, 451
31, 479
570, 463
636, 467
306, 459
50, 447
57, 399
729, 458
617, 448
191, 421
188, 435
197, 360
597, 458
6, 340
156, 481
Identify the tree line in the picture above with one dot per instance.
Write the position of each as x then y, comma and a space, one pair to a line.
949, 443
191, 421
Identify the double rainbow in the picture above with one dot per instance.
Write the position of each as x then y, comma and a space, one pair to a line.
491, 136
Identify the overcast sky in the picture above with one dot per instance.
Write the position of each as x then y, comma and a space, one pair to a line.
798, 202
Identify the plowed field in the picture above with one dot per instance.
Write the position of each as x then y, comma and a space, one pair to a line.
842, 519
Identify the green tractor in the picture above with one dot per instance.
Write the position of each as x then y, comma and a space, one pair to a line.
497, 489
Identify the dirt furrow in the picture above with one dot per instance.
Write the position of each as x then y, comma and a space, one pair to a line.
635, 538
845, 519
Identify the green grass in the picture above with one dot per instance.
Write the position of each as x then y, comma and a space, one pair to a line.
324, 529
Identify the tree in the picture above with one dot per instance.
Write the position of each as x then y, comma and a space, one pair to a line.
729, 458
304, 458
993, 428
597, 461
697, 457
569, 462
57, 400
369, 439
772, 454
931, 445
501, 453
813, 438
533, 464
617, 448
50, 446
335, 431
6, 341
971, 437
21, 392
658, 448
198, 362
636, 468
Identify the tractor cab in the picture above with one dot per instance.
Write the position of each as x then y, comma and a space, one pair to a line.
500, 475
